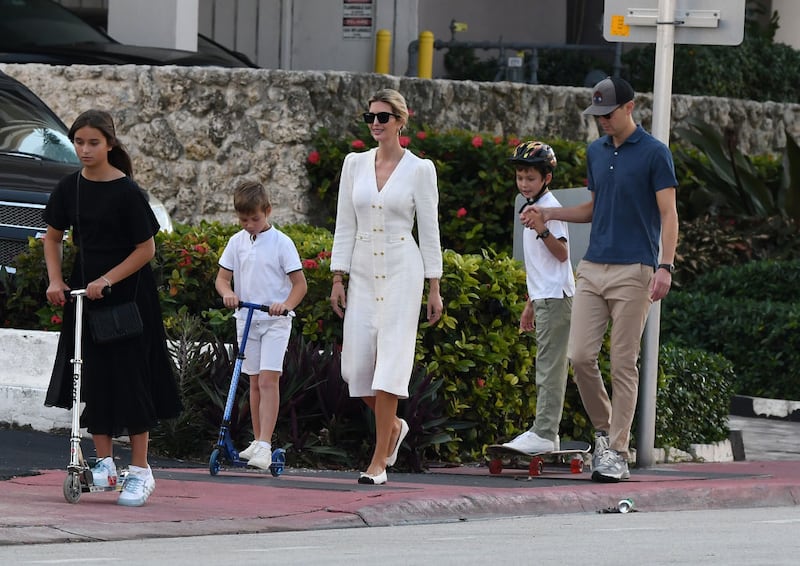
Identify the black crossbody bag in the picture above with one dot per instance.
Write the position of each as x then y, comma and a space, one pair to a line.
117, 322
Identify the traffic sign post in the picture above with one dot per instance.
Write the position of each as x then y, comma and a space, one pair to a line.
665, 23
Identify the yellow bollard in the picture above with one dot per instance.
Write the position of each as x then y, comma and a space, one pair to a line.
425, 57
383, 48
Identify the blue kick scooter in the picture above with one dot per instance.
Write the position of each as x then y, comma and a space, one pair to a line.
224, 449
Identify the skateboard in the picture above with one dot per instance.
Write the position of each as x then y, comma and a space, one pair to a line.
570, 450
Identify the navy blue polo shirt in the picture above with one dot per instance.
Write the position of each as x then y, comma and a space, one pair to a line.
626, 222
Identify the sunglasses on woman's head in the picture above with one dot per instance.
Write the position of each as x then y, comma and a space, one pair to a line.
383, 117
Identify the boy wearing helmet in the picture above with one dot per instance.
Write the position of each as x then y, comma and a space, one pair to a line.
551, 286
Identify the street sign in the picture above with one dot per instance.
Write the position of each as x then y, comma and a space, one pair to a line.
696, 22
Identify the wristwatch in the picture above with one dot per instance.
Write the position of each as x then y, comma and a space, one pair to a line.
668, 266
544, 234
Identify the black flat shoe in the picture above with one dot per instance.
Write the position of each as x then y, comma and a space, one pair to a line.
367, 479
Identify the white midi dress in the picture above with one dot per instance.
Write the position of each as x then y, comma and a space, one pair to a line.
373, 242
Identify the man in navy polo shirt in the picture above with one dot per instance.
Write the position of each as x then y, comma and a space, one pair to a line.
632, 181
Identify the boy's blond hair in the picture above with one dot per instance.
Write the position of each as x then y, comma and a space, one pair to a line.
250, 196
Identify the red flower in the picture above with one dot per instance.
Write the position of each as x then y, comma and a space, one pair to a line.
55, 319
477, 141
186, 259
358, 144
462, 212
513, 141
405, 141
480, 382
323, 254
310, 264
497, 140
411, 112
313, 157
201, 248
421, 135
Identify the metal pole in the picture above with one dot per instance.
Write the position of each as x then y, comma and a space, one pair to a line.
662, 102
287, 6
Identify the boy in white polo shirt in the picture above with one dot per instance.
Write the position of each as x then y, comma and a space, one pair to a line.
551, 285
263, 265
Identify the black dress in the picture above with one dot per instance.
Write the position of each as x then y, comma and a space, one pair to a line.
129, 385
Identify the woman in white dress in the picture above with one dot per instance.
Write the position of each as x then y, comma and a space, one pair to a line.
381, 192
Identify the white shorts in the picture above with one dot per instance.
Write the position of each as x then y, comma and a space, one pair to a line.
266, 344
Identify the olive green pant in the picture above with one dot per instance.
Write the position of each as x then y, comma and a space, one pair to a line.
552, 335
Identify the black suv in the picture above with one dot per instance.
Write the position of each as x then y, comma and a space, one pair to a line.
35, 153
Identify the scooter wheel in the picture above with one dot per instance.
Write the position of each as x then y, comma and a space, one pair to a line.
72, 487
278, 461
213, 462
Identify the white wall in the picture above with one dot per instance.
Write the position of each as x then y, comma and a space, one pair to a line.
789, 22
157, 23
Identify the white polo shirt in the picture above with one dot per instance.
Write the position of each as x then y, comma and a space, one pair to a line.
261, 268
547, 278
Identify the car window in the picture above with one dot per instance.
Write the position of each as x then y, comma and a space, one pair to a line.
42, 23
25, 129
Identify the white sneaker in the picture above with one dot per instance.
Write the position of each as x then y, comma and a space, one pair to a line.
139, 484
248, 452
531, 443
104, 473
262, 456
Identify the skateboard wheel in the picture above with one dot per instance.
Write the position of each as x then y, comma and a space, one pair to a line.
278, 461
495, 466
576, 465
213, 462
536, 467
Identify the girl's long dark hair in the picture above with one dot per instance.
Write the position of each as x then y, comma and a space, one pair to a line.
102, 120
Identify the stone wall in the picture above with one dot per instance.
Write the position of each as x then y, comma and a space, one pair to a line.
194, 133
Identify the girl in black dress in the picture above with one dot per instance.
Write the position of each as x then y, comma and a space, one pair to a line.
127, 385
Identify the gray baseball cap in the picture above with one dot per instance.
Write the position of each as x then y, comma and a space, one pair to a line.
608, 94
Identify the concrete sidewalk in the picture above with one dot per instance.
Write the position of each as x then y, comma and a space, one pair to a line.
188, 501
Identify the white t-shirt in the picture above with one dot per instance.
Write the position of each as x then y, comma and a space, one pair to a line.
260, 267
547, 278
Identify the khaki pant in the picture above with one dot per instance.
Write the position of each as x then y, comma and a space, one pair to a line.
619, 294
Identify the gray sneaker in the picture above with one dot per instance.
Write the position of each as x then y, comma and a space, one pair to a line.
611, 468
601, 444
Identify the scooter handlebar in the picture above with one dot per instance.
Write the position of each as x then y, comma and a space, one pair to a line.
255, 306
69, 293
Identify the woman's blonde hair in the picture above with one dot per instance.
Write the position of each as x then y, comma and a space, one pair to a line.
393, 99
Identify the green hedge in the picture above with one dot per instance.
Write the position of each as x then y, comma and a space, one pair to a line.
693, 399
759, 334
474, 385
